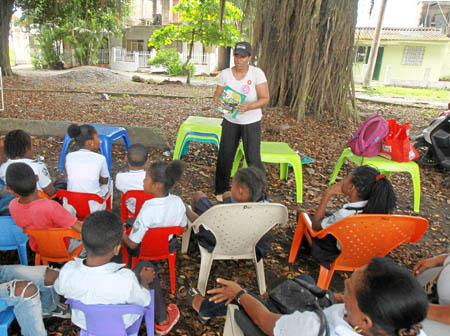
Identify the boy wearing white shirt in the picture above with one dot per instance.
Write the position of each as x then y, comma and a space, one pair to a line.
133, 179
97, 280
18, 147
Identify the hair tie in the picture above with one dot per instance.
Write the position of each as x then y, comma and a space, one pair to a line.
379, 177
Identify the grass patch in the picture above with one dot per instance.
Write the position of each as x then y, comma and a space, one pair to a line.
418, 93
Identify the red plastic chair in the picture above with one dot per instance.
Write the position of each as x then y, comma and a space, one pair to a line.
53, 244
362, 237
155, 246
80, 201
140, 196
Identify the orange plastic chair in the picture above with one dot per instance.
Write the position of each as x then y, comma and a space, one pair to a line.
362, 237
140, 196
52, 245
155, 246
44, 195
80, 201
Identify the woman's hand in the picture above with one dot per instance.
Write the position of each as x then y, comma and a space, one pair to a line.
424, 264
226, 293
244, 107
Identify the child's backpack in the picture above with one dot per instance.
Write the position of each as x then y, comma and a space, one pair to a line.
366, 141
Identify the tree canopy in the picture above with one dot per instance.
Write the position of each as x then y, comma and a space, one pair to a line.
200, 22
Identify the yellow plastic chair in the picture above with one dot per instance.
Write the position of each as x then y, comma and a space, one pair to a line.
200, 129
276, 152
386, 167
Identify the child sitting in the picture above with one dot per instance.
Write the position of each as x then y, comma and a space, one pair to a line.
248, 185
368, 191
133, 179
97, 280
87, 171
164, 209
18, 147
31, 211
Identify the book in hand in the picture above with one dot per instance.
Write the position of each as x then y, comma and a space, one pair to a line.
229, 100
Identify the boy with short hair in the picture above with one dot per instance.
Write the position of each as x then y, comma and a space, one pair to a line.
31, 211
133, 179
97, 280
18, 147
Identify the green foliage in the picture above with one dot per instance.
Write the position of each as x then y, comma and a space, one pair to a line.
200, 22
417, 93
83, 24
48, 54
170, 59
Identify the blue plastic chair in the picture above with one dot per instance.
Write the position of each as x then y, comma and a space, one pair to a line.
107, 135
13, 238
6, 317
106, 320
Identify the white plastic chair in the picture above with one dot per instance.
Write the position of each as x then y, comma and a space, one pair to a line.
231, 328
237, 228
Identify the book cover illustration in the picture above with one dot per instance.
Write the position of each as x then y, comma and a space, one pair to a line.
230, 99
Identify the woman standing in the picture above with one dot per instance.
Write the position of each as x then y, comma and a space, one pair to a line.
252, 82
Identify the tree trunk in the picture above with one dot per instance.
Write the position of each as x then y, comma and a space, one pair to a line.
6, 11
223, 61
188, 58
305, 48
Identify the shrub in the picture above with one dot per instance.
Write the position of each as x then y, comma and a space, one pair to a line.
170, 59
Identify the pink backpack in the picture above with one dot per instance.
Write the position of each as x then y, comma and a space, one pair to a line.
366, 141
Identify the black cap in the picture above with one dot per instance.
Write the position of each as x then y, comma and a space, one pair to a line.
243, 48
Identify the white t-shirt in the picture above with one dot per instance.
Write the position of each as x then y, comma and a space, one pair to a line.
130, 180
247, 86
38, 167
159, 212
106, 284
307, 323
346, 211
84, 168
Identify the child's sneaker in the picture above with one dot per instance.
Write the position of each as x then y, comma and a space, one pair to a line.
174, 315
62, 311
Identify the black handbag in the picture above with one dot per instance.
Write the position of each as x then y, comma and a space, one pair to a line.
287, 297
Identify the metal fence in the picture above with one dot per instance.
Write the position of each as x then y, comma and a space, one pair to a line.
103, 56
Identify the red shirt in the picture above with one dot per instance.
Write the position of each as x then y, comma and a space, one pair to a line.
40, 214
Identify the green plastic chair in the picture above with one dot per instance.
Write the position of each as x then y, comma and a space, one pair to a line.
276, 152
198, 137
199, 129
386, 167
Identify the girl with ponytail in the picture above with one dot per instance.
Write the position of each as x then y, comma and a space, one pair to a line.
368, 191
164, 209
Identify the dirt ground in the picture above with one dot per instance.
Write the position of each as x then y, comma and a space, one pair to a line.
322, 140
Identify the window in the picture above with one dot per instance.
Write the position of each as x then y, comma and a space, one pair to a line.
413, 55
360, 54
135, 45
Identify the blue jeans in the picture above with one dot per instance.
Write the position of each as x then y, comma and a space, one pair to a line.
28, 311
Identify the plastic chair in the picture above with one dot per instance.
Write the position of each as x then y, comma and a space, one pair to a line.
12, 238
362, 237
107, 135
199, 137
52, 245
155, 246
140, 196
386, 167
80, 201
6, 317
238, 228
197, 129
276, 152
106, 320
